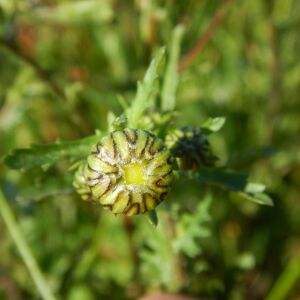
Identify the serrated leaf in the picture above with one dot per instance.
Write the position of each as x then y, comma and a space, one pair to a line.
191, 227
45, 156
213, 124
144, 98
159, 257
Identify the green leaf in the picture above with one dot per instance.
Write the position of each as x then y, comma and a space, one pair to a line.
119, 123
228, 179
146, 90
232, 181
259, 198
213, 124
191, 227
152, 218
46, 155
171, 76
110, 119
253, 187
159, 260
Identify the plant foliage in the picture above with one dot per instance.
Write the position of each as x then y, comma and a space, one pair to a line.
73, 71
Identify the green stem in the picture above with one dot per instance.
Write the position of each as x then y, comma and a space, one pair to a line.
42, 74
286, 281
26, 254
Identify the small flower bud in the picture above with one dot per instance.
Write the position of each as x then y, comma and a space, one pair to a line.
129, 172
191, 148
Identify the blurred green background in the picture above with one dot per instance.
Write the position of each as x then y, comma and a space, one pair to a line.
64, 65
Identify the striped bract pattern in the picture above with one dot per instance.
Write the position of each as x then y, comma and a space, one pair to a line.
129, 171
80, 182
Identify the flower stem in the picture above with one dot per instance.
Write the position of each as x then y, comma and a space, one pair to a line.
26, 254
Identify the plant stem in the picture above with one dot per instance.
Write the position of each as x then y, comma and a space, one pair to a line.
203, 41
26, 254
72, 113
43, 74
286, 281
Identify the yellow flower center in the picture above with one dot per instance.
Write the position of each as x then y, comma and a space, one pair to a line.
134, 174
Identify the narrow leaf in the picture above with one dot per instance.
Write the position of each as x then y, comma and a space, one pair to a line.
144, 98
232, 181
228, 179
46, 155
152, 218
259, 198
171, 76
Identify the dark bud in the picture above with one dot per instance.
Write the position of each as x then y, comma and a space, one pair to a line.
191, 148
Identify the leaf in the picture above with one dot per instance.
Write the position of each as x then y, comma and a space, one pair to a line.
46, 155
191, 227
159, 260
110, 119
213, 124
50, 187
152, 218
171, 76
232, 181
253, 187
250, 155
119, 123
144, 98
259, 198
116, 123
228, 179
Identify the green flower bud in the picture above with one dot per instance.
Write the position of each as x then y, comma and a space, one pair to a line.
80, 182
129, 171
191, 148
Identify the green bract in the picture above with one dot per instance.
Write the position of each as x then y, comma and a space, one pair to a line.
129, 172
81, 182
191, 148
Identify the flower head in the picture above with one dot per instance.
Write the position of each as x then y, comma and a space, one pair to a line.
129, 171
